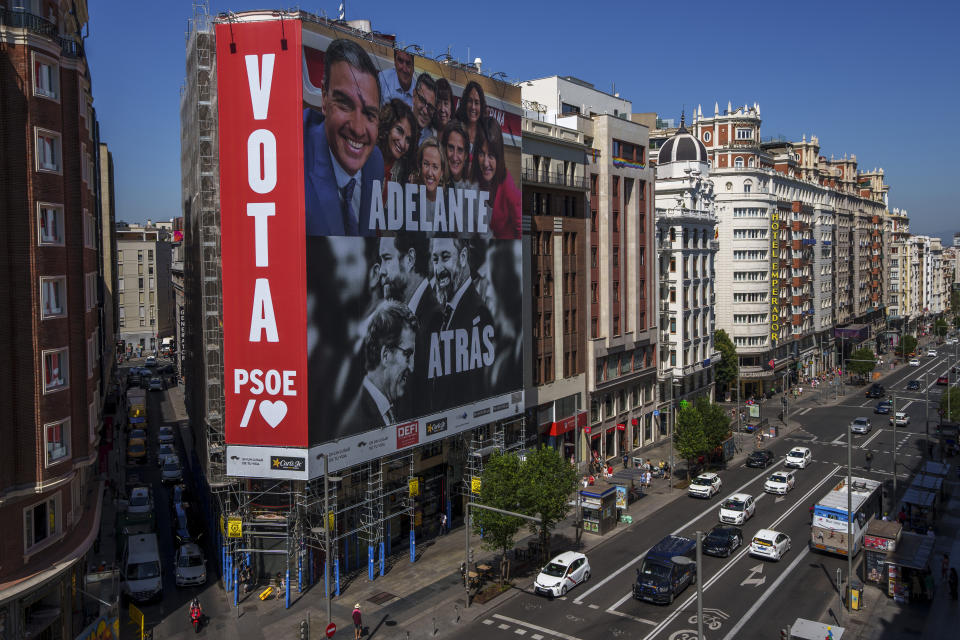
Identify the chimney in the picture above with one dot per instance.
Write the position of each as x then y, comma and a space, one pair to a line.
478, 63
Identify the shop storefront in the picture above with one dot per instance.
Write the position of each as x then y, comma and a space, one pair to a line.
908, 568
879, 542
599, 510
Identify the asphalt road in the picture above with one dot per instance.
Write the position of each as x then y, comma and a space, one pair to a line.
170, 611
744, 597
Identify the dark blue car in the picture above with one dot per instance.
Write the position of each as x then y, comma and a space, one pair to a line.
883, 407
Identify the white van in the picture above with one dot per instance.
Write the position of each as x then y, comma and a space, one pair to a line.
142, 574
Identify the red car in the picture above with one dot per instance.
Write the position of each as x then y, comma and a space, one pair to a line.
943, 380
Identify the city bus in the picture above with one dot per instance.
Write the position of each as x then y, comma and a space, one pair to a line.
828, 531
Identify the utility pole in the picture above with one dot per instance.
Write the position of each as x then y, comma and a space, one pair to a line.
850, 511
700, 586
671, 423
894, 453
739, 406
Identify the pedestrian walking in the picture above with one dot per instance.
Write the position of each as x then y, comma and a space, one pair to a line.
357, 622
626, 460
953, 583
443, 523
868, 459
281, 586
944, 566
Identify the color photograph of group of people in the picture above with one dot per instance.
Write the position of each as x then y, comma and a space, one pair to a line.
413, 255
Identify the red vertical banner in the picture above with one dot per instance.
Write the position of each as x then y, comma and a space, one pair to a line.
259, 90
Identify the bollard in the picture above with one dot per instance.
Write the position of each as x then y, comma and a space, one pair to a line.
456, 608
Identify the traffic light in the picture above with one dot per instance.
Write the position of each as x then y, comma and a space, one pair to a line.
304, 630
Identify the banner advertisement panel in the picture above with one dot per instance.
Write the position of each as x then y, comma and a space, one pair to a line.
395, 281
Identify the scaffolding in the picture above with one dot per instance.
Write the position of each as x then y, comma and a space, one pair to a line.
279, 528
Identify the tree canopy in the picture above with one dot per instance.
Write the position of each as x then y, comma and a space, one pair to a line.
547, 482
862, 361
500, 488
940, 327
689, 434
725, 370
908, 345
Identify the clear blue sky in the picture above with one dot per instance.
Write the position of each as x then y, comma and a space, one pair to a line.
879, 79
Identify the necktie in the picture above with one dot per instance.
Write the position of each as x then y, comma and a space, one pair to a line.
349, 215
390, 417
447, 313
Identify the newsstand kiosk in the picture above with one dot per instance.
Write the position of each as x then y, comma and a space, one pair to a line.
879, 542
599, 510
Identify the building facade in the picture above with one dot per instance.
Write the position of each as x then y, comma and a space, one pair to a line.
144, 288
555, 203
686, 230
621, 355
52, 335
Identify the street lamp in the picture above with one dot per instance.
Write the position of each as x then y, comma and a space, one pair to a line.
327, 479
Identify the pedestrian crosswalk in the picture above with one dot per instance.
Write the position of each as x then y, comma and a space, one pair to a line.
521, 628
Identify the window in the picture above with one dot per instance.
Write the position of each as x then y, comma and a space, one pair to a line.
53, 297
749, 276
56, 439
122, 314
749, 318
738, 162
46, 77
50, 223
48, 151
568, 109
744, 133
140, 283
757, 296
41, 522
751, 341
755, 254
749, 234
90, 290
89, 230
55, 370
150, 254
152, 285
747, 186
707, 136
749, 212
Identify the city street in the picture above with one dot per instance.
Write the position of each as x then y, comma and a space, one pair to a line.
744, 597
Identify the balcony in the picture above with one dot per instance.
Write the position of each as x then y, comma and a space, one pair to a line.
665, 307
555, 178
40, 26
667, 338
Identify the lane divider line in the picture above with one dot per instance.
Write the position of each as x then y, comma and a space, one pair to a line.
727, 567
535, 627
682, 527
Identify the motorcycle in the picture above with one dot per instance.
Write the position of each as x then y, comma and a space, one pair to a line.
196, 616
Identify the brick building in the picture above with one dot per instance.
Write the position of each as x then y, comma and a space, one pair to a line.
51, 268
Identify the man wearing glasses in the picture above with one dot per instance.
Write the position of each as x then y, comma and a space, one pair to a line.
387, 360
425, 105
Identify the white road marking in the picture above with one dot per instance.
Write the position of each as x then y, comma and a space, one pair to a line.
488, 621
727, 567
755, 570
594, 606
840, 439
532, 626
806, 411
630, 617
536, 636
870, 439
520, 632
682, 527
766, 594
503, 627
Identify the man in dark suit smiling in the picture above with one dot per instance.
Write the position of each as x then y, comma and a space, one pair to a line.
340, 154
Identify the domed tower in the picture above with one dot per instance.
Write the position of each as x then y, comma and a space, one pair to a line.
681, 155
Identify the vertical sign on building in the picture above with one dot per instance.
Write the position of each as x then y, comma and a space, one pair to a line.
261, 194
774, 277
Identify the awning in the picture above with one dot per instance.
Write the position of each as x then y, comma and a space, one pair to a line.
928, 482
913, 551
567, 424
919, 497
935, 468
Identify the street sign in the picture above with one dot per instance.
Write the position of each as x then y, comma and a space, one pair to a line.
656, 412
414, 487
331, 629
475, 485
234, 528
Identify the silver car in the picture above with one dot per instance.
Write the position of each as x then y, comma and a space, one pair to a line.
860, 425
171, 471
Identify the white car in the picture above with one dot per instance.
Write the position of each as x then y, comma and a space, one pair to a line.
165, 435
141, 501
914, 362
902, 419
737, 509
171, 471
768, 543
780, 482
562, 574
151, 361
705, 485
191, 566
932, 353
799, 457
860, 425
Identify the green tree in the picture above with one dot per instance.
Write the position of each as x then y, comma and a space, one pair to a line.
725, 370
716, 422
547, 482
862, 362
950, 405
689, 435
940, 327
908, 345
500, 488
